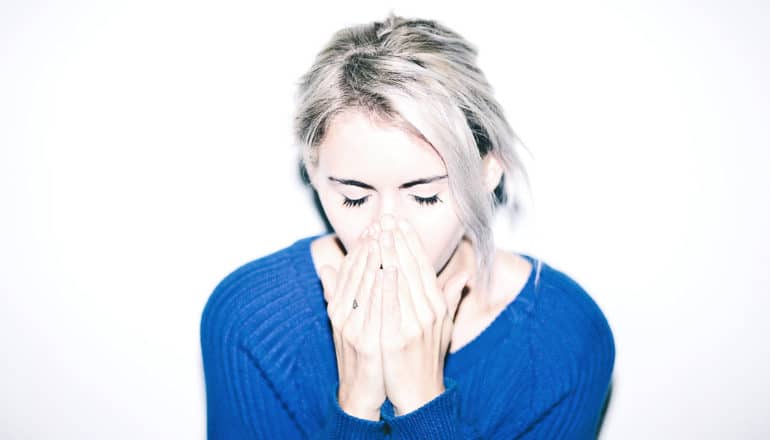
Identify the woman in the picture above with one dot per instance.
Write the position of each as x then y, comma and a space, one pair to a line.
407, 321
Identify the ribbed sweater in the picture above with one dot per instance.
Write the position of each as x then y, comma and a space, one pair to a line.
540, 370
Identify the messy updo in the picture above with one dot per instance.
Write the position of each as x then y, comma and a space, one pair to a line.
422, 77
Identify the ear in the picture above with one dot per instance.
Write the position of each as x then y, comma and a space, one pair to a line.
493, 172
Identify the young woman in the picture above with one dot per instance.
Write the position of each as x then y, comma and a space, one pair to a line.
406, 321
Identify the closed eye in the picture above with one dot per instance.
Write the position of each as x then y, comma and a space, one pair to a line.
352, 203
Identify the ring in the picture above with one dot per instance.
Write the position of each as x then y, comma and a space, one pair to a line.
355, 304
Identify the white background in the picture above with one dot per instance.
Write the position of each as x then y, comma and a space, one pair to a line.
146, 151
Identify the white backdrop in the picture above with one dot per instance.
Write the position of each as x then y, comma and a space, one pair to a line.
145, 152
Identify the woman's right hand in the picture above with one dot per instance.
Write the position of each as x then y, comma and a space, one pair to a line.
357, 331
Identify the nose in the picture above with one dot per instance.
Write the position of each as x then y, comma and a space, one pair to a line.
387, 209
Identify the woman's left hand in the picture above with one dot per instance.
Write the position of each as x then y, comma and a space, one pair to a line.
417, 318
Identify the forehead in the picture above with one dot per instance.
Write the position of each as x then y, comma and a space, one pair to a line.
359, 146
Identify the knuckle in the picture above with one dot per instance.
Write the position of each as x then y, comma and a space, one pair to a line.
428, 318
336, 323
349, 335
368, 351
412, 334
394, 344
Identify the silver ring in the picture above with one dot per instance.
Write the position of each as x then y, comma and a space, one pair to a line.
355, 303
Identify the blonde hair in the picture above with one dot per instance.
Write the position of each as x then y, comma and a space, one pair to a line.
421, 76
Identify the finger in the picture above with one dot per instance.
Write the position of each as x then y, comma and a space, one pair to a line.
390, 260
355, 281
391, 314
453, 291
358, 316
409, 323
427, 273
328, 277
348, 260
387, 251
422, 308
343, 281
374, 312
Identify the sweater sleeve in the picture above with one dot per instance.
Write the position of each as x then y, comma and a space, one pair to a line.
577, 357
341, 425
241, 402
438, 418
577, 414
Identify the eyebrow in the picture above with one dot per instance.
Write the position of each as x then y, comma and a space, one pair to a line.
402, 186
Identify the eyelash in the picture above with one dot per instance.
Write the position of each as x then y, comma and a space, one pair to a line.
353, 203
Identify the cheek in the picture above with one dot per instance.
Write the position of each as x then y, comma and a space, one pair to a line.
345, 226
439, 238
437, 228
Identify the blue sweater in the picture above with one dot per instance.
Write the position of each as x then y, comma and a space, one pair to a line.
540, 370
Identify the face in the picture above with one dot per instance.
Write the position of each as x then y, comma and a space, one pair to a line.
368, 168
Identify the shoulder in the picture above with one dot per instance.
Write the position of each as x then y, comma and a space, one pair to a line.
248, 292
570, 330
559, 296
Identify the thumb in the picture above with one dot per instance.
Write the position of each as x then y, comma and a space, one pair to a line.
453, 290
329, 281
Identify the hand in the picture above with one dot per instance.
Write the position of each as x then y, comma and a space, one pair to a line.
357, 331
417, 318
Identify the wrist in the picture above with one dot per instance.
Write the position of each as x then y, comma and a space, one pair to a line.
359, 411
417, 402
